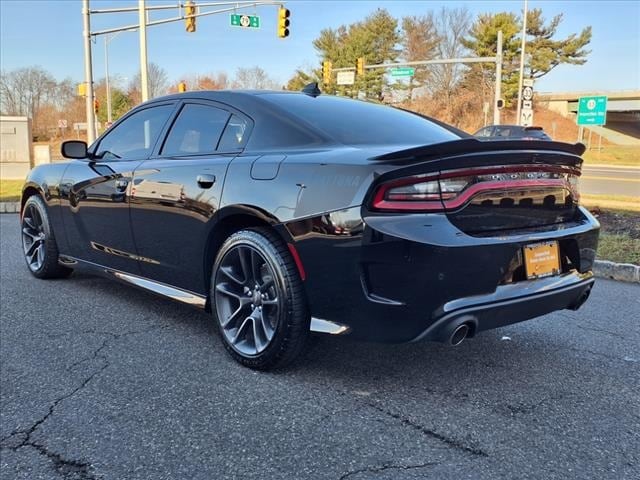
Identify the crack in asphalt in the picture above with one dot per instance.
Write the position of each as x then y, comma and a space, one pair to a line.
387, 466
531, 407
64, 466
453, 443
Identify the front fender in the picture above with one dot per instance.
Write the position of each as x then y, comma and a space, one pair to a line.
45, 180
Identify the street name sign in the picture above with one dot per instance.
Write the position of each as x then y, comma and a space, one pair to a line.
403, 72
244, 21
592, 111
346, 78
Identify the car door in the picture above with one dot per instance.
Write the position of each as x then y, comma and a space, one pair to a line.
176, 193
95, 192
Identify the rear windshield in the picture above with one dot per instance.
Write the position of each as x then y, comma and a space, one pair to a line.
354, 122
537, 133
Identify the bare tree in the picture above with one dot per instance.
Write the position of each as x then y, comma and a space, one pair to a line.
25, 90
451, 25
158, 83
254, 78
420, 41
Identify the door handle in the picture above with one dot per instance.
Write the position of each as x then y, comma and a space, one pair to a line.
121, 185
206, 180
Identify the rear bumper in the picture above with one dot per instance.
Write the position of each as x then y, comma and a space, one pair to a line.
511, 304
405, 278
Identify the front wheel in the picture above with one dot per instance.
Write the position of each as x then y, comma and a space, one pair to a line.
39, 242
258, 300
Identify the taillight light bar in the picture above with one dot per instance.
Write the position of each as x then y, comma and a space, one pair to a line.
452, 189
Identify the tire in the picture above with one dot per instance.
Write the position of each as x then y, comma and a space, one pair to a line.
258, 300
39, 242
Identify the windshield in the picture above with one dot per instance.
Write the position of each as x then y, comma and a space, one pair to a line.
354, 122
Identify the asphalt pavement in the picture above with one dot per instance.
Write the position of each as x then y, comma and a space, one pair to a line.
99, 381
610, 180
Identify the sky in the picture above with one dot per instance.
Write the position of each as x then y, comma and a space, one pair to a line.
48, 33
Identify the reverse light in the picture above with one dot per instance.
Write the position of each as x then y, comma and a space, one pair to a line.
415, 193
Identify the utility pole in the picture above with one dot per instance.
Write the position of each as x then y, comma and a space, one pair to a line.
144, 72
88, 75
498, 88
106, 76
522, 47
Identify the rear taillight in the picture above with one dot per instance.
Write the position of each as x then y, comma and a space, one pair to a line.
453, 189
412, 193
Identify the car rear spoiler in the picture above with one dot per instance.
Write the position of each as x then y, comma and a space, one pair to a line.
473, 145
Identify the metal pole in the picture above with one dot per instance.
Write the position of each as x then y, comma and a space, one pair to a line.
524, 41
106, 77
498, 89
144, 80
88, 75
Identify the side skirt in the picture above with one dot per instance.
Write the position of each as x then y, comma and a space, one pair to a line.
184, 296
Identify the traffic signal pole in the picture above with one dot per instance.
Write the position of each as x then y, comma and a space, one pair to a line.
498, 88
522, 53
88, 75
144, 69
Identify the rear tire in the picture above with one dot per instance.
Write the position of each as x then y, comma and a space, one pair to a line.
258, 300
39, 242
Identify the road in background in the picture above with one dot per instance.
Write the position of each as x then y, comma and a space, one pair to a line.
100, 381
610, 180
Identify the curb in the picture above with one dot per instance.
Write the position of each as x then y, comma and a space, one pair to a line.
625, 272
9, 207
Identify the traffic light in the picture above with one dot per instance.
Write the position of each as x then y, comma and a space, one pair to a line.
326, 72
190, 22
96, 106
283, 22
360, 66
182, 87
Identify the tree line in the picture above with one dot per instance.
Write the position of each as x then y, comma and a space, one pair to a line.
35, 93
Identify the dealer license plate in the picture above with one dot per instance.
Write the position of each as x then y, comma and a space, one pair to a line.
542, 259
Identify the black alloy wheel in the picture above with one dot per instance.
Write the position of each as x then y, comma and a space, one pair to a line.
38, 241
258, 300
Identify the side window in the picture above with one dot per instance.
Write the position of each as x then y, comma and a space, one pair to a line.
485, 132
197, 130
234, 136
136, 136
503, 132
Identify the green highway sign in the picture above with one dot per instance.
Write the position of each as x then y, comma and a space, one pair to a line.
592, 111
245, 21
403, 72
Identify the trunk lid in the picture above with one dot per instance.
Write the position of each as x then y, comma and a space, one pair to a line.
486, 187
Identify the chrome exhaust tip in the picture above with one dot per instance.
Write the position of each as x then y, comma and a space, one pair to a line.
459, 334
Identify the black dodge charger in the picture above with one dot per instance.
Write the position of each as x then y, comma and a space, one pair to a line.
287, 213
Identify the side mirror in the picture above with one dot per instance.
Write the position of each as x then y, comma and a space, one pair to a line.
74, 149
